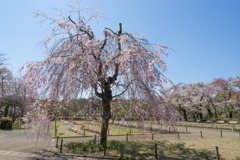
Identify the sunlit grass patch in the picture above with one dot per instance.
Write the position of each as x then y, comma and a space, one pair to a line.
229, 148
66, 133
140, 150
91, 128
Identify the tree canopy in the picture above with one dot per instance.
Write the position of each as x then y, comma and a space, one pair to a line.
117, 64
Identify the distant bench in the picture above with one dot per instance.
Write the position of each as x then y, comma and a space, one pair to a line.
221, 122
200, 120
233, 122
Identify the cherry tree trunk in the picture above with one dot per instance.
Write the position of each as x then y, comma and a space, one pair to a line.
184, 112
230, 114
209, 112
200, 116
215, 112
106, 115
14, 114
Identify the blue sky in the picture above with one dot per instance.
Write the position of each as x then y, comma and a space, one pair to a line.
205, 34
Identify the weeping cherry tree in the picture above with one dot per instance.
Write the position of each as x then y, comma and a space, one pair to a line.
115, 65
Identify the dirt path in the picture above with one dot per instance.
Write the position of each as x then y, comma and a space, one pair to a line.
195, 133
20, 145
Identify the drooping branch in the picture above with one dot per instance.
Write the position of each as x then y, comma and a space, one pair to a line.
104, 42
91, 36
81, 62
100, 95
126, 88
111, 30
112, 79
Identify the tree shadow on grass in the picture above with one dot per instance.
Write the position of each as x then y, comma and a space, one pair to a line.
142, 150
165, 151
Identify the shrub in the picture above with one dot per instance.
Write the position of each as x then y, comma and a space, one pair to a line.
60, 133
92, 146
18, 124
74, 147
6, 110
100, 147
114, 144
84, 146
6, 123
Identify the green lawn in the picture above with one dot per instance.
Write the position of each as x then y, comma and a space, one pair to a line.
95, 126
185, 149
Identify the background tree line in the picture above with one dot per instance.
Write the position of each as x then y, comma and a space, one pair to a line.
216, 99
219, 99
12, 95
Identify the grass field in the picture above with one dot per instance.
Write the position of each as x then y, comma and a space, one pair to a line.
228, 148
63, 132
185, 149
114, 129
94, 126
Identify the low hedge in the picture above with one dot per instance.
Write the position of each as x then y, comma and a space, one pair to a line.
6, 123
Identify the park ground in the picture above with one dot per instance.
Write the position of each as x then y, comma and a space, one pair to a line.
20, 144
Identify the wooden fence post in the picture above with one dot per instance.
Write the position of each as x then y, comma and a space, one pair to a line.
221, 133
156, 156
55, 128
48, 129
186, 129
57, 142
152, 137
218, 157
83, 132
201, 134
61, 146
